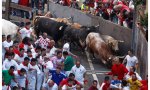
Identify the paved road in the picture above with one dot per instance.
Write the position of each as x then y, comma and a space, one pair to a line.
95, 69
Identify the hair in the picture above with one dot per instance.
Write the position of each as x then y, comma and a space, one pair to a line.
65, 53
133, 68
27, 58
3, 36
28, 50
94, 81
25, 40
33, 60
8, 36
21, 49
15, 42
28, 23
58, 52
106, 78
12, 67
22, 70
10, 47
38, 47
71, 75
124, 83
43, 49
116, 75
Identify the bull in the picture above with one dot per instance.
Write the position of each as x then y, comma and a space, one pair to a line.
51, 26
96, 44
111, 42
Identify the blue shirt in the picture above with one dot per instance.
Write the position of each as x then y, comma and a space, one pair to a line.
57, 78
114, 82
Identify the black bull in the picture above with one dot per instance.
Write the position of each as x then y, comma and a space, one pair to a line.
58, 30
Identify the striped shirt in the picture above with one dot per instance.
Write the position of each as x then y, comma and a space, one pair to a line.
43, 42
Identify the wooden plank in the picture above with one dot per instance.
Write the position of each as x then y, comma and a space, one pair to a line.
3, 15
15, 18
7, 9
14, 5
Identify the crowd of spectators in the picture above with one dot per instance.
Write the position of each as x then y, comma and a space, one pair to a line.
39, 65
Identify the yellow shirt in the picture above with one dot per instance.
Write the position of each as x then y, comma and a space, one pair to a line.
134, 85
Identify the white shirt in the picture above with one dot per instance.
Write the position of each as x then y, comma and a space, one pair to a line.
7, 64
66, 47
131, 61
54, 87
20, 59
35, 68
25, 67
126, 88
79, 72
25, 33
6, 45
43, 42
65, 87
20, 79
52, 52
15, 1
26, 47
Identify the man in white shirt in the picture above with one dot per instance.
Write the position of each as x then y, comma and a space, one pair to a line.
7, 43
20, 79
43, 41
50, 85
25, 64
20, 58
131, 60
33, 72
79, 71
9, 62
52, 51
26, 31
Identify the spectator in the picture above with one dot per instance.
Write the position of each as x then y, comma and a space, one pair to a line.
57, 60
16, 47
94, 85
32, 73
3, 49
19, 58
43, 41
131, 72
65, 81
134, 83
106, 84
57, 76
19, 79
50, 85
7, 77
79, 71
26, 31
7, 43
131, 60
52, 51
125, 85
25, 64
8, 62
68, 63
118, 69
69, 85
115, 83
30, 54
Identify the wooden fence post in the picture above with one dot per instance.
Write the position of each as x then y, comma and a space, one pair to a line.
7, 8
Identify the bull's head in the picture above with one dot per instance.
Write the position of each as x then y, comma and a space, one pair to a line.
114, 44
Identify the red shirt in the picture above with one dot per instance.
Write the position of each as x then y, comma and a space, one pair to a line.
24, 2
92, 88
145, 85
106, 86
119, 70
16, 51
65, 82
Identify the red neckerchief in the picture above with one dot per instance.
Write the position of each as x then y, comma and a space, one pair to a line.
131, 73
19, 72
12, 74
30, 55
27, 28
24, 64
32, 64
21, 45
16, 51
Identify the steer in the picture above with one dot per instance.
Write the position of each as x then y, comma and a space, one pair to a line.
9, 28
95, 44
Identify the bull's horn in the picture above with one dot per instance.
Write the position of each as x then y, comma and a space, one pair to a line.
97, 26
120, 41
69, 18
